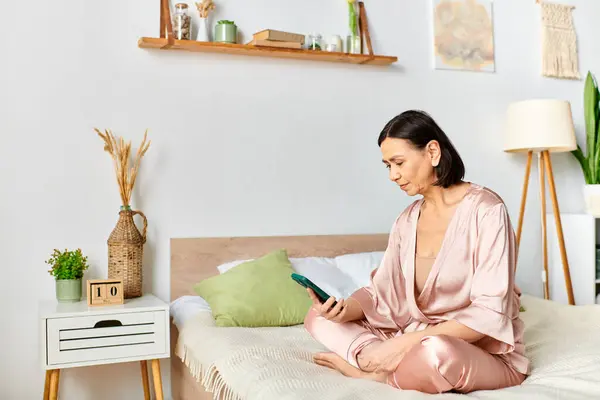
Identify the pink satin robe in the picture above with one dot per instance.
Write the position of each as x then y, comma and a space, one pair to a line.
471, 281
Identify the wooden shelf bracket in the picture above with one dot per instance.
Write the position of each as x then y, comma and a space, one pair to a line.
364, 28
166, 26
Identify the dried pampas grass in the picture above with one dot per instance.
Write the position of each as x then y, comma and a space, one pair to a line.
120, 151
205, 7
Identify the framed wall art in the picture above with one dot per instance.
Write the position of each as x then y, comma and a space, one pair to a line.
463, 35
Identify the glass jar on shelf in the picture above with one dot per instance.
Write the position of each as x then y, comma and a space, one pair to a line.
314, 42
353, 44
335, 44
182, 29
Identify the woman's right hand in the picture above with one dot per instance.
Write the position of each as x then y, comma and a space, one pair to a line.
338, 313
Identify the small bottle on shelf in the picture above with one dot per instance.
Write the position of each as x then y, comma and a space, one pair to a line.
314, 42
182, 28
335, 44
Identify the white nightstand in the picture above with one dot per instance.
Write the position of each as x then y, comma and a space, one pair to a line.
75, 335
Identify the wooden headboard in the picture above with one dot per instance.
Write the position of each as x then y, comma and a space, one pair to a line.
195, 259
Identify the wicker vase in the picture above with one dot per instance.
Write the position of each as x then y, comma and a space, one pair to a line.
125, 252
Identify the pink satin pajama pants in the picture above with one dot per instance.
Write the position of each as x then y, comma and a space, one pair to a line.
437, 364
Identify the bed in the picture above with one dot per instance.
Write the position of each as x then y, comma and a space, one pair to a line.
209, 362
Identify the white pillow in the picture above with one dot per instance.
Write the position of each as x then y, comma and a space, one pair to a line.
322, 271
228, 265
185, 307
358, 266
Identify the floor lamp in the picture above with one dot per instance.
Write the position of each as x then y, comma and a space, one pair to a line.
541, 127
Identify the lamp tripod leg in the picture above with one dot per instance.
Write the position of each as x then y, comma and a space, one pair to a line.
542, 179
559, 231
524, 197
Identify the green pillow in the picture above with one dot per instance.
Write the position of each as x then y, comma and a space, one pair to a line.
256, 293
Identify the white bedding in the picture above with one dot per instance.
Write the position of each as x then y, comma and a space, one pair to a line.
186, 307
562, 342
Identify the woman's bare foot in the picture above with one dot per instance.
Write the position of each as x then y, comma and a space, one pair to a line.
333, 361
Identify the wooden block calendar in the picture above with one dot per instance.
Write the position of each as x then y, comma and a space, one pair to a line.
104, 292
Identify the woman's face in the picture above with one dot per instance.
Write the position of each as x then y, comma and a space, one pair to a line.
412, 169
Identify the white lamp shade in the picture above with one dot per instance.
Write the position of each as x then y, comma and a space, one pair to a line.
537, 125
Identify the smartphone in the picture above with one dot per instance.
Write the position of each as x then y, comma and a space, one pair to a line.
307, 283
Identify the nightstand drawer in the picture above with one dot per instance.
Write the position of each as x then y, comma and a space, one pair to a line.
105, 337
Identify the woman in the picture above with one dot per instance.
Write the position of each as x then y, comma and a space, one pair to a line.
441, 313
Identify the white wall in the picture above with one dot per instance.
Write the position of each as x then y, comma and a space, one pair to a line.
240, 146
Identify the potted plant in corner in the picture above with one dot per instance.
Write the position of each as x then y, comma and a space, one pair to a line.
590, 163
67, 268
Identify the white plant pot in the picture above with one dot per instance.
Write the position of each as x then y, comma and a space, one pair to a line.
591, 194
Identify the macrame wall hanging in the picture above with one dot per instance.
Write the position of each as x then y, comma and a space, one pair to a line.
559, 42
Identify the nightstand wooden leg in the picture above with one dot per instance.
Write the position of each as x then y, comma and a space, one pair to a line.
144, 364
47, 384
54, 384
157, 379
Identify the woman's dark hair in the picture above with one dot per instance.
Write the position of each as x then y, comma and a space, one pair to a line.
419, 129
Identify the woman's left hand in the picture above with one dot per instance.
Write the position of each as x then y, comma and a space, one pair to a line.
386, 355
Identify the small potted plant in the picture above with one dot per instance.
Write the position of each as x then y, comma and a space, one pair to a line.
67, 268
590, 162
226, 31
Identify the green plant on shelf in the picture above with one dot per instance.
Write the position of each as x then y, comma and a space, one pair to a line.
67, 264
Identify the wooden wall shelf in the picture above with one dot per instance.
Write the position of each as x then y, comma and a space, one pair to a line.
273, 52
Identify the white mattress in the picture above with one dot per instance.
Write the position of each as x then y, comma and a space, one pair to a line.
562, 342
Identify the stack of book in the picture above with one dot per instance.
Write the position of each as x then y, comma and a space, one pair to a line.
274, 38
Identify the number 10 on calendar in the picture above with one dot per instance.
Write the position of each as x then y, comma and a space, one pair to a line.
104, 292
